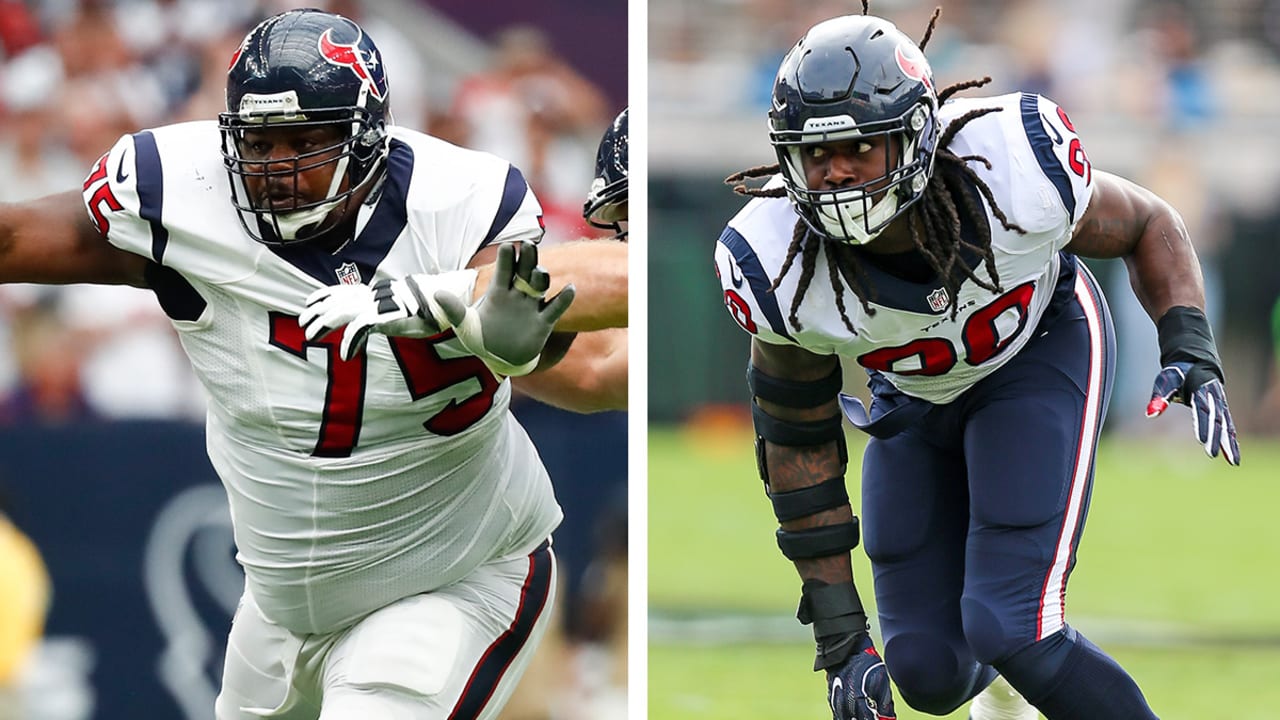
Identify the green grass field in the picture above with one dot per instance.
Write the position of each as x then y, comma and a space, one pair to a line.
1177, 578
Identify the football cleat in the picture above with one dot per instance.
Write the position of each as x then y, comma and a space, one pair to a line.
1001, 702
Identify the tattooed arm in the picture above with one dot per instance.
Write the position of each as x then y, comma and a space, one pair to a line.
800, 444
793, 468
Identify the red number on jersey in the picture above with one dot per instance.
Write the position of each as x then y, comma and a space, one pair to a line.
101, 196
427, 373
424, 370
740, 310
981, 337
1079, 161
935, 357
343, 395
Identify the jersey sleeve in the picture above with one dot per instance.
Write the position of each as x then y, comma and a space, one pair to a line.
745, 286
519, 215
114, 198
499, 208
1059, 153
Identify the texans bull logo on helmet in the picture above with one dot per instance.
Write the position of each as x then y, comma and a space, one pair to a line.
350, 56
913, 64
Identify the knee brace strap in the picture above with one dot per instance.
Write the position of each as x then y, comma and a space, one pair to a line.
826, 495
819, 541
795, 432
794, 393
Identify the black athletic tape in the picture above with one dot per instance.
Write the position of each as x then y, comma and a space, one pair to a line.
801, 394
831, 608
838, 620
819, 541
1185, 336
796, 432
826, 495
833, 650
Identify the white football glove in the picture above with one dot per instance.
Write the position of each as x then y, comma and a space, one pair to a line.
508, 326
389, 307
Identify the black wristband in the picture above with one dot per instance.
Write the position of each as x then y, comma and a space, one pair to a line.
1185, 336
838, 620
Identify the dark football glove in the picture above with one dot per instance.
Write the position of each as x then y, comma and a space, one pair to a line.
1203, 392
859, 689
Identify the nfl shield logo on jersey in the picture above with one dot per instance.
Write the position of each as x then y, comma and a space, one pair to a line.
348, 274
937, 299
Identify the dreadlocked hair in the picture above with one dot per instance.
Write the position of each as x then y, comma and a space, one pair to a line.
934, 223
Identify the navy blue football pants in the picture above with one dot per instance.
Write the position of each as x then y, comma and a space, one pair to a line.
972, 515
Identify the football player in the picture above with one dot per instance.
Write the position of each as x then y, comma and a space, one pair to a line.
933, 242
392, 517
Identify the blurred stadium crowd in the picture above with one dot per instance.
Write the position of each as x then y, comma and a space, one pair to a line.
1180, 96
77, 74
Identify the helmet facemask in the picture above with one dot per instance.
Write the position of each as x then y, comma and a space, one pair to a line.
857, 214
356, 158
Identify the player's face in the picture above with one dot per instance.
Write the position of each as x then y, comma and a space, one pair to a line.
290, 166
849, 163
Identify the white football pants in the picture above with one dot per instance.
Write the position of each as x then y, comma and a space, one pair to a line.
453, 654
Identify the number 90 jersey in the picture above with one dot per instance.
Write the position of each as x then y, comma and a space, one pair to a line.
1041, 179
355, 483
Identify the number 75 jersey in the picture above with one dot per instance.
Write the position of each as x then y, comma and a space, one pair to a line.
352, 483
1041, 179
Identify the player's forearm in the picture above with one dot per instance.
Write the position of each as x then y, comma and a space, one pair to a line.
50, 240
598, 271
1163, 267
592, 376
793, 468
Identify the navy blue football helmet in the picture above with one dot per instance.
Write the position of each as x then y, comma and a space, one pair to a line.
305, 68
606, 205
854, 77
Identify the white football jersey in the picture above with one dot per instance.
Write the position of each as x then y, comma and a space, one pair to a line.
351, 484
1040, 178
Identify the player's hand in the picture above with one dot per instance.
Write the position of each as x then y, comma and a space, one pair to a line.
859, 689
1185, 383
390, 307
508, 326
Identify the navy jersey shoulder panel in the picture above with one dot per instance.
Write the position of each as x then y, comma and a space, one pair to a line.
1042, 145
891, 291
150, 190
753, 272
513, 192
178, 298
378, 236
